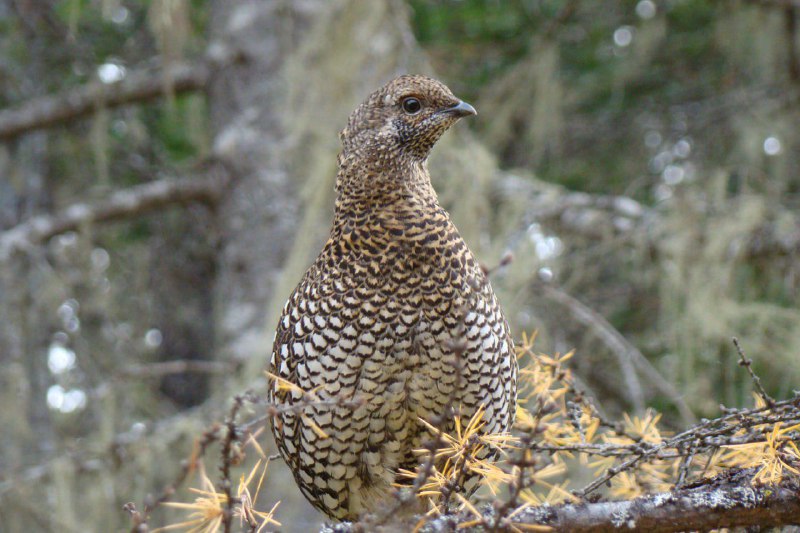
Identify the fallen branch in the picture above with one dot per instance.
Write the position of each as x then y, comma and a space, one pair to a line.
120, 205
138, 86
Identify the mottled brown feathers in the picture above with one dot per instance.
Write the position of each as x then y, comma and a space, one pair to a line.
375, 318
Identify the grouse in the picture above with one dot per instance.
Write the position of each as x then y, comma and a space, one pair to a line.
395, 314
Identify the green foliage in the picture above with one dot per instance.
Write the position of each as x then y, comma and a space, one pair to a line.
488, 38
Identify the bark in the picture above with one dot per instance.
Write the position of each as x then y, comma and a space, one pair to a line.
702, 508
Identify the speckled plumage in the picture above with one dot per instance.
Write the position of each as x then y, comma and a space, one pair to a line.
375, 318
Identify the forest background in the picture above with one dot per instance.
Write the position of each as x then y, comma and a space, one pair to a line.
166, 175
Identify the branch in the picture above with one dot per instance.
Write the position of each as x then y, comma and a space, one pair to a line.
137, 86
120, 205
769, 401
734, 503
593, 216
727, 501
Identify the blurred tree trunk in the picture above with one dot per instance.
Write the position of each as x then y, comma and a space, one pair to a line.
258, 216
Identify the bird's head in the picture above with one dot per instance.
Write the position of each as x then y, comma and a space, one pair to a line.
402, 120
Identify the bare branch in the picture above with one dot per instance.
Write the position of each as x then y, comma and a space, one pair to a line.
228, 453
728, 501
748, 364
138, 86
733, 503
119, 205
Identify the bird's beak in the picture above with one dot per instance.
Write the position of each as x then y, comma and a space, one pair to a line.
461, 109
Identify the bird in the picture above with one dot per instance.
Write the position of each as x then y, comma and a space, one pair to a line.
394, 323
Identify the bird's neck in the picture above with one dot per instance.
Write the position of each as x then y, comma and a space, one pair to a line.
369, 182
388, 212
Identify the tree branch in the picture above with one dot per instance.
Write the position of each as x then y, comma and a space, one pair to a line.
726, 501
137, 86
734, 503
119, 205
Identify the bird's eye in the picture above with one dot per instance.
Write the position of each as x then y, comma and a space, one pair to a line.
411, 105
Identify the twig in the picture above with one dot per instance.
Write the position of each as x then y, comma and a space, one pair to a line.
627, 354
711, 433
686, 465
227, 458
748, 364
610, 336
525, 460
230, 436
